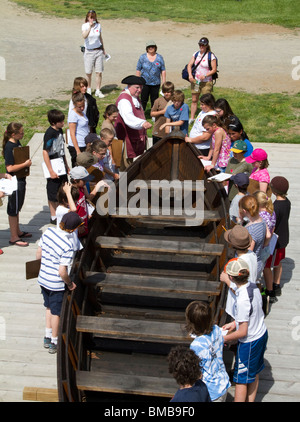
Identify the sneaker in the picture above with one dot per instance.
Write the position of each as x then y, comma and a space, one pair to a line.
52, 348
89, 90
47, 341
53, 221
99, 94
277, 289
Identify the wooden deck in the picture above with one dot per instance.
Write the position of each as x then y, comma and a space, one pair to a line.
25, 363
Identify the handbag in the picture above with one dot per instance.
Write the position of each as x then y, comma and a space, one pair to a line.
185, 74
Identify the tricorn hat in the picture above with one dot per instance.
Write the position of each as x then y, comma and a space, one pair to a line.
133, 80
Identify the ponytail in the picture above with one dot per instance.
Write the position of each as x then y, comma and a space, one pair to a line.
10, 130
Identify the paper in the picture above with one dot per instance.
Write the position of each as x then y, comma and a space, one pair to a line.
219, 177
273, 242
205, 162
8, 186
58, 166
224, 332
107, 57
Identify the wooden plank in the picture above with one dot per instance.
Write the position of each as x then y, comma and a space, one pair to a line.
149, 331
144, 313
126, 384
40, 394
157, 215
162, 246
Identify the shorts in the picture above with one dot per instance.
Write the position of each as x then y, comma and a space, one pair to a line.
274, 260
93, 59
204, 88
16, 200
249, 360
53, 185
53, 300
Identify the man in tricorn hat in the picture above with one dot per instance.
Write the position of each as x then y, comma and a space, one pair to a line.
131, 124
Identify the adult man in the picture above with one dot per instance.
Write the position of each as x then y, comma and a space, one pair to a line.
56, 251
131, 124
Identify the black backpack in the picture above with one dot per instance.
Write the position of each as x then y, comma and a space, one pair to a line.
215, 75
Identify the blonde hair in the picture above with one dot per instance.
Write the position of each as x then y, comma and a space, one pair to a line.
250, 204
264, 201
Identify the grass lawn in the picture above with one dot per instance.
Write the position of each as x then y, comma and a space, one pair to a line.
279, 12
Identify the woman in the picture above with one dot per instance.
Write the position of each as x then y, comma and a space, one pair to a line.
78, 127
151, 67
202, 83
94, 51
90, 108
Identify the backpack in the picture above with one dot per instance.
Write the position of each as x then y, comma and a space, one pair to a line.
215, 75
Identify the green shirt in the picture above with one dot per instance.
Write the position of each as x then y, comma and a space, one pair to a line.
234, 167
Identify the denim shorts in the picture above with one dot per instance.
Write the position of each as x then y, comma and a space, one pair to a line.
53, 300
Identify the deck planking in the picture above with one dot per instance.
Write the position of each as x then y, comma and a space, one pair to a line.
25, 363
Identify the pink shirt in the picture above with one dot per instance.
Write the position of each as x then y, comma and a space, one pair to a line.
260, 175
224, 153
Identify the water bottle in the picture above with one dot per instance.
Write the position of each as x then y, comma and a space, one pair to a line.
197, 84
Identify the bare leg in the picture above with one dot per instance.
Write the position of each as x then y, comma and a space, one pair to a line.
277, 273
252, 389
89, 80
98, 80
240, 393
52, 207
14, 227
194, 105
268, 276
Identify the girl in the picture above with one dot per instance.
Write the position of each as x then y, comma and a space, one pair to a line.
249, 208
236, 132
110, 116
198, 135
78, 126
220, 144
11, 139
98, 148
224, 111
260, 173
208, 345
90, 104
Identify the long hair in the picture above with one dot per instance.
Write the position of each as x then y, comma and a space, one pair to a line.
211, 119
96, 146
264, 201
10, 130
92, 14
250, 204
198, 317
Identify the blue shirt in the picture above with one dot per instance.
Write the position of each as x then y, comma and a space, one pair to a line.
181, 113
209, 348
151, 71
197, 393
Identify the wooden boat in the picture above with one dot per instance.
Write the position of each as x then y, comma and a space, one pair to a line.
135, 277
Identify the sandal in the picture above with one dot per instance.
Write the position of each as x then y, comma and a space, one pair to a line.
19, 242
25, 234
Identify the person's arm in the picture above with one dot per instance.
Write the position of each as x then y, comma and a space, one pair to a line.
72, 128
129, 118
67, 187
13, 168
101, 40
63, 273
236, 335
198, 139
189, 69
47, 161
263, 186
38, 254
163, 76
87, 31
172, 124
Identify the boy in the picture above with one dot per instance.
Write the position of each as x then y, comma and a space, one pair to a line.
56, 253
184, 365
54, 147
241, 181
177, 114
109, 168
158, 110
249, 329
282, 209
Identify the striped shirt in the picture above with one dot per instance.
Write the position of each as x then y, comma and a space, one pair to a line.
57, 249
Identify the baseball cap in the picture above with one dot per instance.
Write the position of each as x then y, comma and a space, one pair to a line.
235, 266
204, 41
70, 222
238, 237
151, 43
240, 179
80, 173
239, 146
279, 184
258, 154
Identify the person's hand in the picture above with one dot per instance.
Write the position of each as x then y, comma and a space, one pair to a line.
8, 176
192, 80
162, 126
208, 168
67, 188
71, 286
28, 163
147, 125
188, 139
225, 278
101, 184
53, 175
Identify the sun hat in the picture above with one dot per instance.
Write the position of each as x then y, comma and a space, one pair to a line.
238, 237
134, 80
239, 146
80, 173
86, 159
151, 43
70, 222
279, 184
204, 41
258, 154
235, 266
240, 179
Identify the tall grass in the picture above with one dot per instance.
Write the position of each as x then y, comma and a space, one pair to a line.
280, 12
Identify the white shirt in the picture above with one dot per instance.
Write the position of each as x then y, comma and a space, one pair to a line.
93, 39
198, 129
125, 110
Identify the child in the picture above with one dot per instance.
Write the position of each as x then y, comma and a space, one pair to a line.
237, 164
11, 139
259, 161
110, 116
184, 365
198, 135
54, 147
224, 111
2, 194
110, 170
282, 208
56, 253
177, 114
208, 346
241, 182
236, 133
79, 176
159, 109
249, 329
220, 144
98, 149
